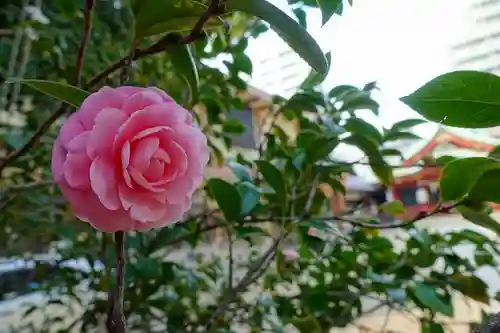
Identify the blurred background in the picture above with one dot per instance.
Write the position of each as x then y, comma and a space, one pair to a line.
53, 275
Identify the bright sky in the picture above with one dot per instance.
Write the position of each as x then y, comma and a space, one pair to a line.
400, 43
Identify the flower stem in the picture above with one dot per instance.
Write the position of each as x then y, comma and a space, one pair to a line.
116, 317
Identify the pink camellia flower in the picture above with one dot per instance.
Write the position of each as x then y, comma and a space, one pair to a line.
129, 159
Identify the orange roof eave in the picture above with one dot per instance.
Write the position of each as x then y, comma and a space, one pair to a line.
446, 137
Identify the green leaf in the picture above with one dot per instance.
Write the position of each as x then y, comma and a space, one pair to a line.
337, 186
394, 208
247, 232
444, 160
459, 176
394, 136
429, 298
432, 328
233, 126
240, 171
185, 66
154, 17
69, 94
340, 91
361, 127
471, 286
320, 148
479, 218
381, 169
406, 124
486, 187
274, 178
328, 8
227, 197
467, 99
291, 32
314, 79
391, 152
359, 100
495, 153
243, 63
250, 197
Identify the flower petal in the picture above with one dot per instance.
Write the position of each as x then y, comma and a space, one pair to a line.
79, 143
77, 170
148, 211
141, 181
103, 182
71, 128
141, 100
143, 152
105, 98
103, 133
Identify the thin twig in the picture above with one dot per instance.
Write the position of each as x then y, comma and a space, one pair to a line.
197, 31
253, 273
116, 319
28, 186
231, 258
89, 6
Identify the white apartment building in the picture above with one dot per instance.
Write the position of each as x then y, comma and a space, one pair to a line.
277, 69
480, 47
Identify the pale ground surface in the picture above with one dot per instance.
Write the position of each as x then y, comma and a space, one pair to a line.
396, 322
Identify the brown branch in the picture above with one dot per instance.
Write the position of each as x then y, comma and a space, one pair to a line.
250, 276
89, 6
116, 319
197, 31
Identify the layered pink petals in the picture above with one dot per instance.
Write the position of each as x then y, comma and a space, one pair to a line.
129, 159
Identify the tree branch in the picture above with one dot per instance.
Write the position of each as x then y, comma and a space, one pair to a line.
116, 318
89, 6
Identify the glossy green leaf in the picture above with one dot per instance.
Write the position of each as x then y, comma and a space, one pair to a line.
462, 98
185, 66
406, 124
486, 187
429, 298
391, 152
381, 169
243, 63
227, 197
471, 286
361, 127
273, 177
432, 328
233, 126
291, 32
339, 92
314, 78
241, 171
394, 136
250, 196
336, 185
154, 17
359, 100
394, 208
247, 232
320, 148
456, 184
495, 153
66, 93
479, 218
329, 8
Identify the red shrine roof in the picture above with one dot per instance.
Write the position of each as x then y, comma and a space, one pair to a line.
432, 173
